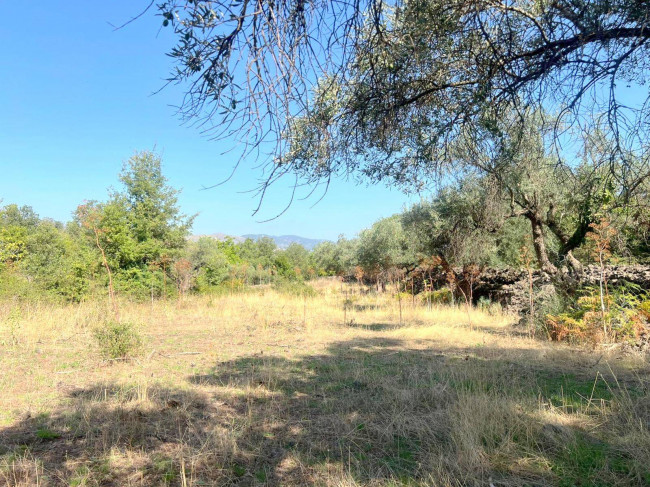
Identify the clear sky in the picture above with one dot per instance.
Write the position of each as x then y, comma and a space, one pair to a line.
76, 101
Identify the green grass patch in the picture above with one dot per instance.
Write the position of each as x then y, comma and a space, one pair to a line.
587, 461
47, 434
572, 392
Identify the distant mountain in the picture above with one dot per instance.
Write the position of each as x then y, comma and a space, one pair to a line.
217, 236
282, 241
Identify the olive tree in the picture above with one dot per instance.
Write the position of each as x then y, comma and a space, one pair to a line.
373, 87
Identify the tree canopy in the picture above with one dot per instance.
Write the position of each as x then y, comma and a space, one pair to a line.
381, 89
140, 227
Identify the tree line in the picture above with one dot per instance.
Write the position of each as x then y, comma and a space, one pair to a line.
526, 211
135, 244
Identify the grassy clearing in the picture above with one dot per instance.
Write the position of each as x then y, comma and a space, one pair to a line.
269, 389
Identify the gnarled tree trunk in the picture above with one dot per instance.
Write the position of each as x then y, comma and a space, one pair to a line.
540, 246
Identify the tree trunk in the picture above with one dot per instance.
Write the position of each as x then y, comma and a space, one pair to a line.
540, 246
575, 264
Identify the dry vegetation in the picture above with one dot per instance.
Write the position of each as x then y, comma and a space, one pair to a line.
268, 389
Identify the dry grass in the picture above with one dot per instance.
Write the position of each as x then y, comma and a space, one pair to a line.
267, 389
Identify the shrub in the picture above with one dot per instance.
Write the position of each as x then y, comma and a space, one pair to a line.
565, 327
488, 306
118, 341
138, 284
294, 288
626, 314
13, 285
437, 296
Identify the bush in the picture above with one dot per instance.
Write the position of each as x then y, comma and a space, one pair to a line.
294, 288
565, 327
13, 285
438, 296
488, 306
137, 284
118, 341
627, 313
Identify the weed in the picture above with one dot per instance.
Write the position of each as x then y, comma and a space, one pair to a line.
294, 288
47, 434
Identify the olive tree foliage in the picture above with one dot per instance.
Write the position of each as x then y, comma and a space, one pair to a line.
507, 172
336, 258
384, 248
299, 259
463, 224
381, 88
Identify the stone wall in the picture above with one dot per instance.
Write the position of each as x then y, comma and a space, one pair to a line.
511, 287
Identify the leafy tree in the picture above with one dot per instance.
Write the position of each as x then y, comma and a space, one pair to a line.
15, 225
335, 258
456, 225
23, 216
41, 252
283, 266
258, 252
409, 92
298, 257
155, 224
58, 262
140, 227
323, 257
13, 243
383, 248
507, 174
211, 260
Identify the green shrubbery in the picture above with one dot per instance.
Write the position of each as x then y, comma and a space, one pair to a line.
437, 296
625, 315
294, 288
118, 341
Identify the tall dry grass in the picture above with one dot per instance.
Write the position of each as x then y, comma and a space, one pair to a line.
261, 388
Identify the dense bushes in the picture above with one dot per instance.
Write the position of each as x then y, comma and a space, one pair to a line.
135, 245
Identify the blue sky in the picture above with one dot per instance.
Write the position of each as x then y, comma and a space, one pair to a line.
76, 101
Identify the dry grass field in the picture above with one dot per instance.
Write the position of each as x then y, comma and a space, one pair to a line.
267, 389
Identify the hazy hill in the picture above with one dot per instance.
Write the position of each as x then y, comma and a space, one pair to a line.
282, 241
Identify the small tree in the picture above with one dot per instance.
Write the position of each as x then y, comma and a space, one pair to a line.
601, 238
139, 226
89, 214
